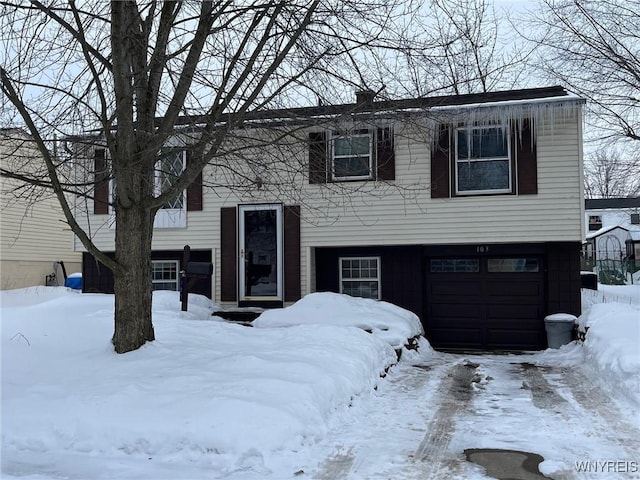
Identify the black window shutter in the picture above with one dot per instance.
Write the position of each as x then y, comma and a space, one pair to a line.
228, 255
386, 161
440, 161
101, 183
292, 253
194, 191
526, 159
317, 157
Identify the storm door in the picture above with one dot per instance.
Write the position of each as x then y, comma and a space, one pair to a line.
260, 255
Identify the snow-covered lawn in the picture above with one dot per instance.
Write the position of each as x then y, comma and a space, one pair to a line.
210, 399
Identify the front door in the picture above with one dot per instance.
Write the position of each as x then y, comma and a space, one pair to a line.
260, 256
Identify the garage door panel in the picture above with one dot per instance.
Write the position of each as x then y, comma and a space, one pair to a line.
514, 313
455, 337
506, 339
514, 287
453, 321
448, 287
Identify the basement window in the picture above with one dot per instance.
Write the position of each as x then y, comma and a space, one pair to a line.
165, 275
360, 277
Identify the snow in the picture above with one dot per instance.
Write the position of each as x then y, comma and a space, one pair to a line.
392, 324
305, 390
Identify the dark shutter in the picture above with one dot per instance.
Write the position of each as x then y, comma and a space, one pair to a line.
440, 162
101, 183
526, 158
386, 161
291, 253
228, 255
317, 157
194, 191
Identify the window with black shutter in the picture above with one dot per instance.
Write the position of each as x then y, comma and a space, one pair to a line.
484, 159
356, 155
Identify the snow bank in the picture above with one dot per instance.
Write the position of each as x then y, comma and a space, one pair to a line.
32, 295
219, 395
388, 322
612, 342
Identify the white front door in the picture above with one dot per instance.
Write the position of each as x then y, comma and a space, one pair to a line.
260, 258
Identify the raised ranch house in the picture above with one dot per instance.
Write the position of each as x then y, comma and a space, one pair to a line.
467, 210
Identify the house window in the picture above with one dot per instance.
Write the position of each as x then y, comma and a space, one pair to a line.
483, 160
173, 214
352, 156
360, 277
164, 274
168, 169
595, 223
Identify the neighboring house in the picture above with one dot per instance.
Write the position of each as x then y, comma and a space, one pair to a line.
33, 233
613, 225
467, 210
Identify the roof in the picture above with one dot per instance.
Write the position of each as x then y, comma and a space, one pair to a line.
601, 203
421, 103
604, 230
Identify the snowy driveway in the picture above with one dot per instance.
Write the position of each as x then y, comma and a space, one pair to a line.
428, 414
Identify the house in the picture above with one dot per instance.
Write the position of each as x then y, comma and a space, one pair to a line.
613, 224
34, 238
465, 209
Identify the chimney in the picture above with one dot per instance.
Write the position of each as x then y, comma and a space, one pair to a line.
365, 97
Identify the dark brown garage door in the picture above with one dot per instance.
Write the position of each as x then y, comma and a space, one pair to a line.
485, 303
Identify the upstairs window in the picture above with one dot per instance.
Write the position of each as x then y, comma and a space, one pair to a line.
168, 169
483, 160
352, 156
359, 155
169, 166
595, 223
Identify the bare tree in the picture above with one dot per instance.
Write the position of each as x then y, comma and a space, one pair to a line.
462, 47
593, 48
133, 71
610, 173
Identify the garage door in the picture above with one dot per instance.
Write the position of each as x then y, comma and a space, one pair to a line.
485, 303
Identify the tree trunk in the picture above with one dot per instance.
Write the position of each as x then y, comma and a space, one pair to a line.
132, 280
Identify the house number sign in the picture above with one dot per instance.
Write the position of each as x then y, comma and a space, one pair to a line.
482, 249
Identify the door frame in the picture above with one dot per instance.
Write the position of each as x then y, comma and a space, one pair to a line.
242, 297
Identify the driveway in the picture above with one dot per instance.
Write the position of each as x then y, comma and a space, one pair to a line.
426, 415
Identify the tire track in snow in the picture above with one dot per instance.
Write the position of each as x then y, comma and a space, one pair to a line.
410, 390
605, 419
454, 394
568, 393
337, 466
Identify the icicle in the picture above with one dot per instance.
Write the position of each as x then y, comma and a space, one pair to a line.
544, 113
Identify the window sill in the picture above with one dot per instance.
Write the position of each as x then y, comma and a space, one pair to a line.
476, 193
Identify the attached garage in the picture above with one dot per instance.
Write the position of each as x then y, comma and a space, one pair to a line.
486, 303
470, 297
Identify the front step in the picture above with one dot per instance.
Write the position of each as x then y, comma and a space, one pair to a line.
239, 315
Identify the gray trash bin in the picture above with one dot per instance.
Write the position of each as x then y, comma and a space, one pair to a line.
559, 328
